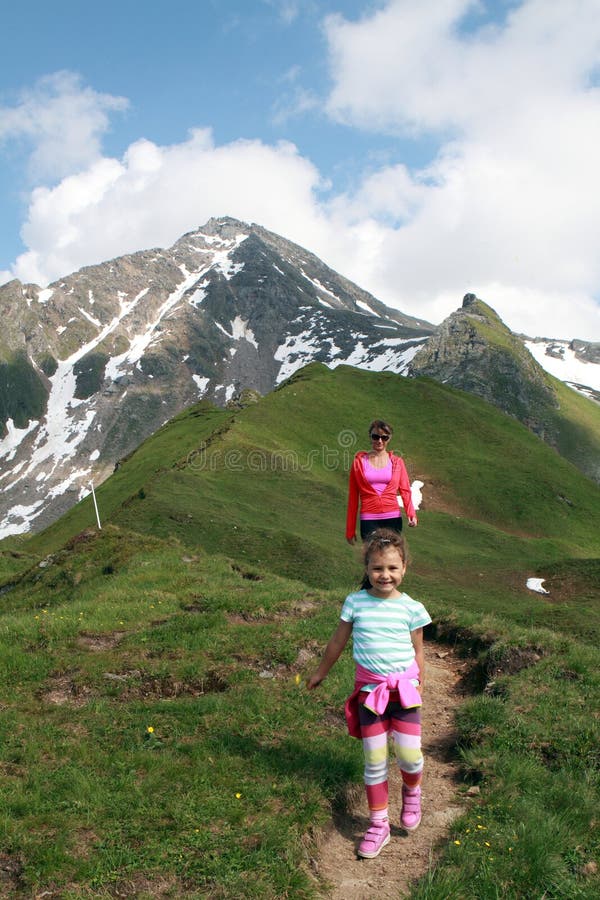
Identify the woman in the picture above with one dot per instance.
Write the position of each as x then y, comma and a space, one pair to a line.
376, 479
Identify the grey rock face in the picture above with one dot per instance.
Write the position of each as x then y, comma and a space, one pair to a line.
474, 351
586, 351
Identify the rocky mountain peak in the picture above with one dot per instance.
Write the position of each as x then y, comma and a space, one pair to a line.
475, 351
96, 362
225, 227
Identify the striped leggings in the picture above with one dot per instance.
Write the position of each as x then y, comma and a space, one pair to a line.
405, 728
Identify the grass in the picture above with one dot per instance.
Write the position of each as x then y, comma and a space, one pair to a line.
154, 739
222, 791
531, 744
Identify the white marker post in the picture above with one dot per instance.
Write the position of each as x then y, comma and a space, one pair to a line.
95, 505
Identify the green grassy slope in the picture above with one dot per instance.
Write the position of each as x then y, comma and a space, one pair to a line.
213, 586
577, 426
267, 484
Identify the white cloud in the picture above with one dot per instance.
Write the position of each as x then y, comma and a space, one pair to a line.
154, 194
61, 121
508, 207
410, 68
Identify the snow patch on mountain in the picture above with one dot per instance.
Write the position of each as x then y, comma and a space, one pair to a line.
293, 353
9, 444
222, 260
367, 308
240, 331
90, 318
199, 295
44, 295
63, 429
557, 358
202, 383
393, 356
117, 366
321, 289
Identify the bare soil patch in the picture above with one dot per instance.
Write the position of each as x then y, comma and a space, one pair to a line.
343, 875
64, 691
97, 643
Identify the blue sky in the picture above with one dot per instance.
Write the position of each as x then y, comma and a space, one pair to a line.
424, 150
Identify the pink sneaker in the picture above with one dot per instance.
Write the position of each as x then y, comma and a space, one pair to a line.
376, 837
410, 817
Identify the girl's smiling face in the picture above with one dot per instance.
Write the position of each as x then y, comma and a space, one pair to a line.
385, 569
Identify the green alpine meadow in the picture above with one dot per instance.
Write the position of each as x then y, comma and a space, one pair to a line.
156, 737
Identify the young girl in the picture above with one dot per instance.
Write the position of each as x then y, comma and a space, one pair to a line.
387, 629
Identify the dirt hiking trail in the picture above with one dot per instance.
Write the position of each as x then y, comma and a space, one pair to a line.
344, 876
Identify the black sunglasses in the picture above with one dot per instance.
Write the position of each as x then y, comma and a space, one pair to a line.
379, 437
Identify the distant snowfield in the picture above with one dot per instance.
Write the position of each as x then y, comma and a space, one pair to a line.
392, 355
569, 368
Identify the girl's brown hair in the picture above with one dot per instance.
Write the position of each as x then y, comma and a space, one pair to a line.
377, 542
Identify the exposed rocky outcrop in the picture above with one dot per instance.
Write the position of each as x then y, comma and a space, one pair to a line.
473, 350
586, 351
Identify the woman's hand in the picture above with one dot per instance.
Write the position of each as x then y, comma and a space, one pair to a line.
412, 522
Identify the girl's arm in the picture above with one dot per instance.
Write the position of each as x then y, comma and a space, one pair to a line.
416, 637
333, 650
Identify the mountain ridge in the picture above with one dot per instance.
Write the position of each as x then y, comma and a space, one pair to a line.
97, 361
473, 350
93, 364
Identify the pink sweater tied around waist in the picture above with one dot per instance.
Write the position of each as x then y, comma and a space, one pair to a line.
379, 697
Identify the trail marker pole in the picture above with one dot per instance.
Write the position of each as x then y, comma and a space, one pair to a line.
95, 506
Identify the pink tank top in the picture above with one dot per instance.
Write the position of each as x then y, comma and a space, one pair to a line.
379, 480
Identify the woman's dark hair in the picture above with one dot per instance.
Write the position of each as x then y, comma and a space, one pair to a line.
383, 426
377, 542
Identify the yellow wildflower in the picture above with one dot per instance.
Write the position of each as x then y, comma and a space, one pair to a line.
150, 729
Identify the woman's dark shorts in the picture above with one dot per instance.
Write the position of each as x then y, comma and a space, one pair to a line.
368, 526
